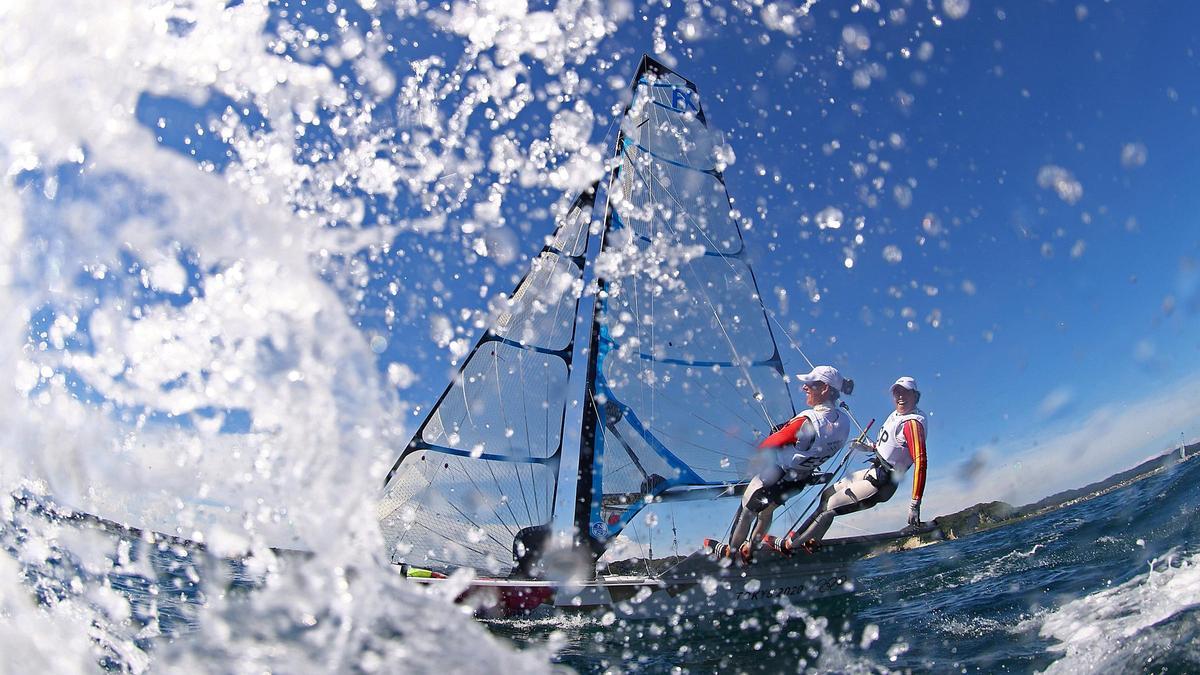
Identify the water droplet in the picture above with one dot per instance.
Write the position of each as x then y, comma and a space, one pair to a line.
956, 9
830, 218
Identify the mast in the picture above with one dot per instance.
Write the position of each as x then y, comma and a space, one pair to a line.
595, 538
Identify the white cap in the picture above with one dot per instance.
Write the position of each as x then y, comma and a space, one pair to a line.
906, 382
827, 374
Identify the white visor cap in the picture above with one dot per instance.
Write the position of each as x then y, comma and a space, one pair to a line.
827, 374
906, 382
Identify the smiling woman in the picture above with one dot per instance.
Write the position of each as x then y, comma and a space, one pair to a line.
815, 436
901, 445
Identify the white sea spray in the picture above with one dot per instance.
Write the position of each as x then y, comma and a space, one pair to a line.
279, 421
1090, 630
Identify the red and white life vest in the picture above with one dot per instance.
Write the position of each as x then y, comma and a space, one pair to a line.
892, 446
830, 428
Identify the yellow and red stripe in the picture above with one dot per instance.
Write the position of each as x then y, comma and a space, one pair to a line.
914, 433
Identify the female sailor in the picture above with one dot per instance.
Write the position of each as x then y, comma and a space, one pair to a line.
815, 435
901, 445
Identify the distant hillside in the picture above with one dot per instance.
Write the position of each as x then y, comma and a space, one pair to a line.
993, 514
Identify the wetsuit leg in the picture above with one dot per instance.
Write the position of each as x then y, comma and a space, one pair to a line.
763, 524
847, 496
742, 521
773, 495
753, 501
826, 495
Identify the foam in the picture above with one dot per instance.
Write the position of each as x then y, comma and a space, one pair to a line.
1094, 630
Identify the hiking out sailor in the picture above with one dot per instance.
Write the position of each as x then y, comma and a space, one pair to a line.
814, 436
901, 444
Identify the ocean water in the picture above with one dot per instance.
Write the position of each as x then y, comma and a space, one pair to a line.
1111, 584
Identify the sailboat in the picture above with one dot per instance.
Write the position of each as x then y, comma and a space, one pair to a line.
578, 417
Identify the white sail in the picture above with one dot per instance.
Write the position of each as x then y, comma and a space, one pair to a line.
685, 375
483, 465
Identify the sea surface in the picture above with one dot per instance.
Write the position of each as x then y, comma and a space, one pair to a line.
1107, 584
1110, 584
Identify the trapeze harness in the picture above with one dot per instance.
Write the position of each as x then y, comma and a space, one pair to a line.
901, 445
817, 434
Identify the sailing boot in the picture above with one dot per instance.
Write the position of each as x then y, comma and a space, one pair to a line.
746, 553
782, 546
717, 548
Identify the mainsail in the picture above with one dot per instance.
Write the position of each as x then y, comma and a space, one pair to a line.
683, 375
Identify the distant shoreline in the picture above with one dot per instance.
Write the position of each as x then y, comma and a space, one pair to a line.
989, 515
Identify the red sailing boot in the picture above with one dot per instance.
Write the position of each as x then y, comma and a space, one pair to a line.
781, 545
746, 553
717, 548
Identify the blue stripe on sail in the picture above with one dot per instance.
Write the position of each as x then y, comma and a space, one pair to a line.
662, 84
687, 475
699, 363
618, 224
422, 445
690, 92
705, 364
664, 105
492, 337
625, 142
684, 473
